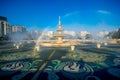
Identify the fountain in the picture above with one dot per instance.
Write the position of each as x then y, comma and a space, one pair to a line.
14, 44
76, 70
13, 66
75, 67
37, 48
105, 43
59, 42
102, 39
17, 46
98, 45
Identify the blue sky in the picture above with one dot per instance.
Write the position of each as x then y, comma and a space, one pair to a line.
90, 15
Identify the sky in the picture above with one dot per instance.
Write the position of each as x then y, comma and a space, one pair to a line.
76, 15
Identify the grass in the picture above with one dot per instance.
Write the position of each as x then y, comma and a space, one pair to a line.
87, 57
16, 56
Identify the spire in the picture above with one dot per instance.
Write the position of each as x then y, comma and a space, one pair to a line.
59, 24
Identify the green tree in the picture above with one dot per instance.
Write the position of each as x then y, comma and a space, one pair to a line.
116, 35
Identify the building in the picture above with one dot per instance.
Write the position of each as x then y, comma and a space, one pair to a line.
18, 29
71, 33
83, 34
5, 28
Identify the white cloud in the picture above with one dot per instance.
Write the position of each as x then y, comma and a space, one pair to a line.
94, 29
71, 13
103, 11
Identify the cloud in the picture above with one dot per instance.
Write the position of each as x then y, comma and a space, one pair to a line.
103, 12
71, 13
93, 29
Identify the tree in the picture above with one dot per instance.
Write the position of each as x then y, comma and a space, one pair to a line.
88, 36
116, 34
